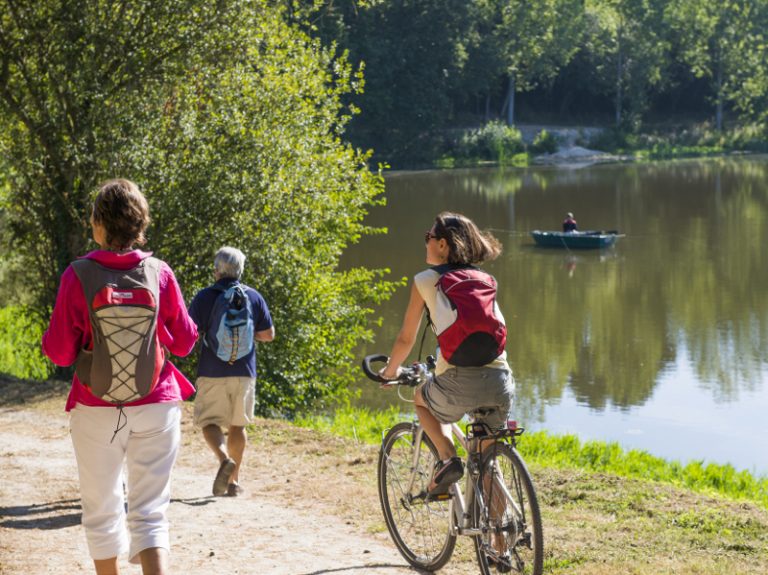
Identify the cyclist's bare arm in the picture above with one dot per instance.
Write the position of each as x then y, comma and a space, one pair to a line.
407, 335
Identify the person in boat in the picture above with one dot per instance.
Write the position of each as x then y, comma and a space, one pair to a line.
569, 223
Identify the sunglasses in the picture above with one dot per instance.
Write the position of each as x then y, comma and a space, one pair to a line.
429, 236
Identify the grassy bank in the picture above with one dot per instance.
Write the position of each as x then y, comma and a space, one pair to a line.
605, 511
569, 452
497, 144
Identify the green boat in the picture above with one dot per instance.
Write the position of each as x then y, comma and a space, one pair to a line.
576, 240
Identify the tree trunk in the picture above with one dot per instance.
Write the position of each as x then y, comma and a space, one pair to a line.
487, 108
511, 98
719, 108
619, 72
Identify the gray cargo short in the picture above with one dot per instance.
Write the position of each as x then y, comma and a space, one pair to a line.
461, 390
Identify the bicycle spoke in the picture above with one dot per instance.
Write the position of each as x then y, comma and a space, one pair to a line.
420, 528
513, 541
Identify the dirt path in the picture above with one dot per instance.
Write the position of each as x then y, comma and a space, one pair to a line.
277, 526
594, 524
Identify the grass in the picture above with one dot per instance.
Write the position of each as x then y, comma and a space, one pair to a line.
569, 452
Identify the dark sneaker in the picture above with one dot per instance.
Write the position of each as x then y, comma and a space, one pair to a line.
445, 475
221, 482
234, 489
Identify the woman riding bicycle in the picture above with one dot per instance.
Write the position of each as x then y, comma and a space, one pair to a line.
453, 242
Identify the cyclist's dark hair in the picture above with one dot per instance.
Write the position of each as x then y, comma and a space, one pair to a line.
466, 243
122, 209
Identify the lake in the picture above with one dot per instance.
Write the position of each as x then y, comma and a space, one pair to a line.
659, 343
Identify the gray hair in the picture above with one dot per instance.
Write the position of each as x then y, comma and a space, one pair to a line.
229, 263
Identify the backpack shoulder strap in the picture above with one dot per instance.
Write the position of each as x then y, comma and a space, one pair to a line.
445, 268
86, 269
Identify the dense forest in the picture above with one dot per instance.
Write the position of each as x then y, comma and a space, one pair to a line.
260, 123
431, 67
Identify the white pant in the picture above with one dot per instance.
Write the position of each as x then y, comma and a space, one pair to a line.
149, 443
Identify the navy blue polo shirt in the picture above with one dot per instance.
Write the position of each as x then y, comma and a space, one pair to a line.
200, 311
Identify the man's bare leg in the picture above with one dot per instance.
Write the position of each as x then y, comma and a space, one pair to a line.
236, 442
214, 437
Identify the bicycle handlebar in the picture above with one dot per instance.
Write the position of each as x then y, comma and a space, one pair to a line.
410, 376
369, 371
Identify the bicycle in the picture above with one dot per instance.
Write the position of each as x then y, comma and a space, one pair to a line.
498, 507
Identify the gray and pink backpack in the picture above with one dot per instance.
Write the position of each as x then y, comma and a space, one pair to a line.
124, 361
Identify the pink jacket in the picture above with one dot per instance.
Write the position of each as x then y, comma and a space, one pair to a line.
70, 330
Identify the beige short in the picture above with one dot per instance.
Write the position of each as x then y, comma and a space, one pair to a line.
224, 401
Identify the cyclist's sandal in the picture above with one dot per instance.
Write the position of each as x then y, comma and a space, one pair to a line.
445, 475
221, 483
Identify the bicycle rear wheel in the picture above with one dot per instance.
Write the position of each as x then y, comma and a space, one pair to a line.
514, 539
421, 529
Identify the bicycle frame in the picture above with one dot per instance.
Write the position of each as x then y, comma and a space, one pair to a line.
463, 523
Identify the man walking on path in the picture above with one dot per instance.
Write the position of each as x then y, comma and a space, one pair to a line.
231, 317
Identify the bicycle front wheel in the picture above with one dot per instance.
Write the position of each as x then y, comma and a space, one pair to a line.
420, 528
513, 536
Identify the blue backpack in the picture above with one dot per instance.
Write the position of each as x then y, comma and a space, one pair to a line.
230, 329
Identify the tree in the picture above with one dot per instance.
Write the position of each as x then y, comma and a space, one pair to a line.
414, 52
532, 39
231, 120
719, 41
76, 79
628, 43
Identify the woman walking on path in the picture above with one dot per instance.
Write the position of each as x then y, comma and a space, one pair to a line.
129, 412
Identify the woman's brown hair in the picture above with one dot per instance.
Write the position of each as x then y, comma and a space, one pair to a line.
122, 210
466, 243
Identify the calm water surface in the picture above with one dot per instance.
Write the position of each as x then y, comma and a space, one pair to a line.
660, 343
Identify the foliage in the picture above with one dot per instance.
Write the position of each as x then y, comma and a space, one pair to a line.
696, 141
414, 53
544, 143
495, 141
713, 39
532, 39
21, 330
432, 66
77, 79
231, 119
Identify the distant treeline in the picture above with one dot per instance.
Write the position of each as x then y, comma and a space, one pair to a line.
434, 65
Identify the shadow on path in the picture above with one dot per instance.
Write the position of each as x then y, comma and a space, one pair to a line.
42, 515
363, 568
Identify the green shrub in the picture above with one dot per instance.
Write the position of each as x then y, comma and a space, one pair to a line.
544, 143
20, 354
611, 140
495, 142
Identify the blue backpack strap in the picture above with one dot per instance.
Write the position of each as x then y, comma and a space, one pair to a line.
208, 325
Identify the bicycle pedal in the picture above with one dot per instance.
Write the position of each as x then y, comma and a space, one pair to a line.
439, 497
